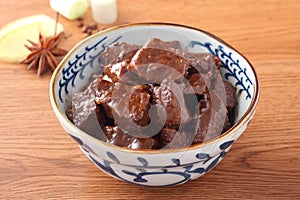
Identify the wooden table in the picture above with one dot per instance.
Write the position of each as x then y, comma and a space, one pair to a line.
38, 160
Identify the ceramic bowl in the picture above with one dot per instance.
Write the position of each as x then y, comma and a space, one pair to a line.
153, 167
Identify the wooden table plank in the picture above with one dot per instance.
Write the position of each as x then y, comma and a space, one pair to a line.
39, 161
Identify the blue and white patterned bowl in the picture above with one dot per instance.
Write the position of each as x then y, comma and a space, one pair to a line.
152, 167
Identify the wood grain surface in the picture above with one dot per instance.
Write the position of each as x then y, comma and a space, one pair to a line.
38, 160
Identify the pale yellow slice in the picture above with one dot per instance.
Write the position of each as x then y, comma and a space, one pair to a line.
71, 9
14, 35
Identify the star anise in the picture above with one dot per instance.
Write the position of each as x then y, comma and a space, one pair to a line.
45, 54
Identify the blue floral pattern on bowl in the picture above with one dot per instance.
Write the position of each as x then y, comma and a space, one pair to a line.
141, 173
88, 58
232, 67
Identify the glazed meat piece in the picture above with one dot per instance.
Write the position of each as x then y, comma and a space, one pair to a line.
175, 45
171, 138
116, 58
86, 114
227, 124
202, 62
157, 60
130, 107
169, 95
230, 104
139, 104
194, 91
166, 136
118, 137
116, 71
230, 95
210, 123
118, 52
196, 84
206, 65
202, 121
155, 43
103, 94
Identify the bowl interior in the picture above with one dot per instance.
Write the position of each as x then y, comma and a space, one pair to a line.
73, 73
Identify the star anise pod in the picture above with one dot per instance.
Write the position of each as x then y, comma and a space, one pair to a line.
45, 54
